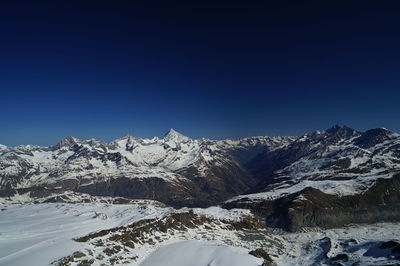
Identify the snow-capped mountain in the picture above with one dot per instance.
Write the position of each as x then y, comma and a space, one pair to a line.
328, 178
174, 169
89, 197
339, 160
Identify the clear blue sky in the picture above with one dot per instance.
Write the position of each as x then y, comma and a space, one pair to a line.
104, 68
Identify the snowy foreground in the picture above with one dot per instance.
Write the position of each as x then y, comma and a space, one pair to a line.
38, 234
198, 253
42, 234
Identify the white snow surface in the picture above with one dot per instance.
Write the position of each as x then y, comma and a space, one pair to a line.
200, 253
333, 187
38, 234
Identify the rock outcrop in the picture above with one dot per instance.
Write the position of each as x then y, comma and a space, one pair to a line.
312, 208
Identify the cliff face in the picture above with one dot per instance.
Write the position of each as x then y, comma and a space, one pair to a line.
311, 207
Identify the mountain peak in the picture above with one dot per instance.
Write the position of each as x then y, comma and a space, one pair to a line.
336, 128
342, 131
171, 132
373, 136
67, 141
126, 136
174, 136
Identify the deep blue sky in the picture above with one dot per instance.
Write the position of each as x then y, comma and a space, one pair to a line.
104, 68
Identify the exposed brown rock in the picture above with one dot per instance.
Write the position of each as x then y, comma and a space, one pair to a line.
380, 203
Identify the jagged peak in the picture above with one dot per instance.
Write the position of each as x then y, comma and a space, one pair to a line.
337, 128
334, 133
68, 141
342, 131
174, 135
129, 138
126, 136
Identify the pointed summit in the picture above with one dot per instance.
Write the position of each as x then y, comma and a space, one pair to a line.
173, 135
342, 131
172, 131
68, 141
126, 136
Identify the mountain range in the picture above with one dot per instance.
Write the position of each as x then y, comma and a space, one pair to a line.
293, 182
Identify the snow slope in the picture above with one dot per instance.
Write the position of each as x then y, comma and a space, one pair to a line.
41, 234
38, 234
200, 253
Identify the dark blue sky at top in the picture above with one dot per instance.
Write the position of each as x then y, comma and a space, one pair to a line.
219, 69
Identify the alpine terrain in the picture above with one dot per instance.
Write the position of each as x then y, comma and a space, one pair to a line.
330, 197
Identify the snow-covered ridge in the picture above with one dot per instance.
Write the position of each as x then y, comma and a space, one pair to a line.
133, 157
338, 161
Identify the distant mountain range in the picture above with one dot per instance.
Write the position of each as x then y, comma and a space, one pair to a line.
270, 175
174, 169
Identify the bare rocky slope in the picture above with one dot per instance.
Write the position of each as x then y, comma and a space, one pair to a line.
311, 207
